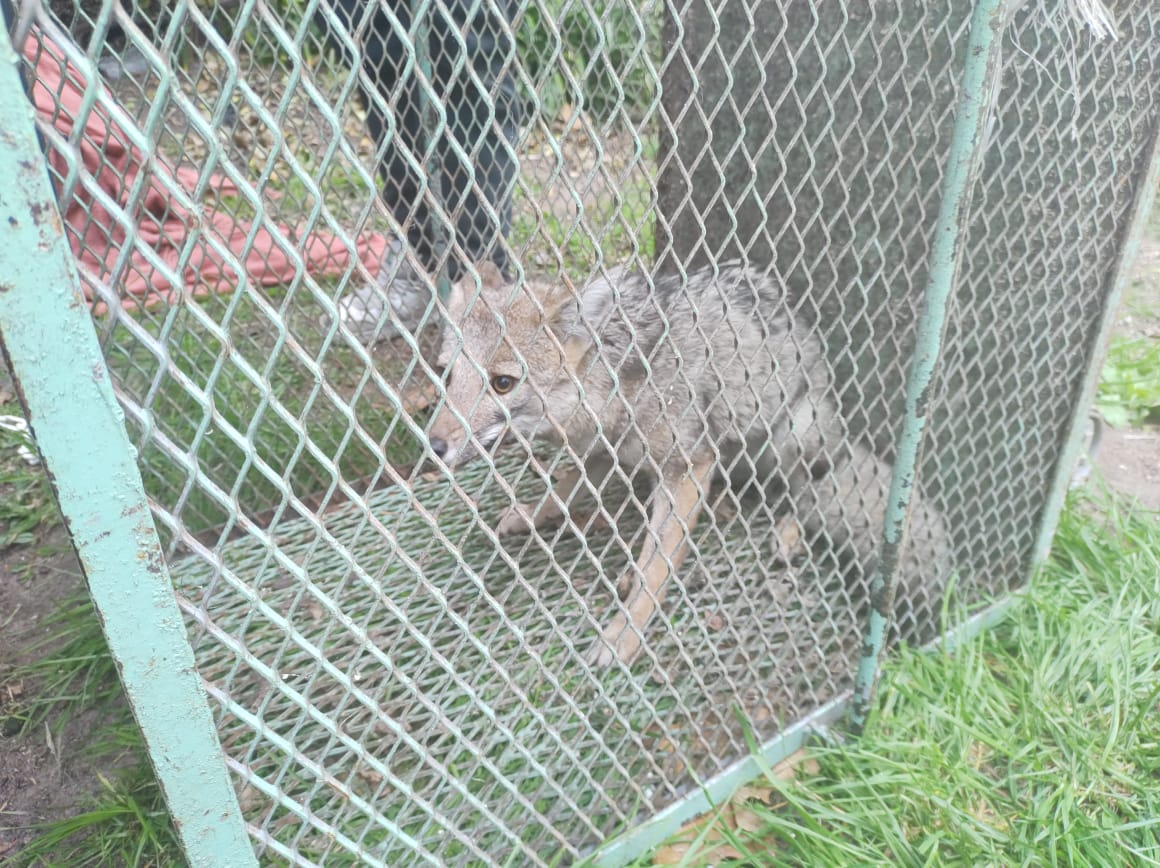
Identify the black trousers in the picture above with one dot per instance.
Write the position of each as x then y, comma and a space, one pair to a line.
474, 94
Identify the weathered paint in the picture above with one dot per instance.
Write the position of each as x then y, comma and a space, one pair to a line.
51, 346
1146, 192
966, 154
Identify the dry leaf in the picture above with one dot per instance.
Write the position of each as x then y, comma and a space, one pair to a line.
764, 795
746, 820
715, 621
371, 776
674, 854
786, 770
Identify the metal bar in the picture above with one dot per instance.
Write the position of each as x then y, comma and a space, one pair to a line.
946, 249
1146, 192
51, 347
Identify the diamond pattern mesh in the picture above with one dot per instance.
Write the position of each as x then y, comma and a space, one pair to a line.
393, 682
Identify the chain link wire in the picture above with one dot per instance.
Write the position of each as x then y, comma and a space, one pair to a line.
268, 198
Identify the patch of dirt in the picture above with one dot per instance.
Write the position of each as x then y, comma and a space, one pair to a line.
1139, 314
44, 774
1128, 460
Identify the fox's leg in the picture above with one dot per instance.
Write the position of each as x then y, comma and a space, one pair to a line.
674, 514
524, 517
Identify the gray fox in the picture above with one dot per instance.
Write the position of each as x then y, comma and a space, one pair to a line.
680, 378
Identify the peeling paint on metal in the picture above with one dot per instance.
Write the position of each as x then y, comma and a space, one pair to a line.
962, 167
51, 346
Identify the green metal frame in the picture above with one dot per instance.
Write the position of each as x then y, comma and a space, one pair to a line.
812, 728
654, 831
1146, 193
965, 158
51, 347
80, 431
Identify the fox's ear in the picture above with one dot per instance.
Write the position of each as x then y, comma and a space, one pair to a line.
463, 291
577, 317
490, 275
580, 314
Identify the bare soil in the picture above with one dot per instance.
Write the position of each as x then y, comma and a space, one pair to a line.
42, 774
1129, 460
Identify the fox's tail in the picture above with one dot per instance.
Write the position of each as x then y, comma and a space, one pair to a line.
842, 508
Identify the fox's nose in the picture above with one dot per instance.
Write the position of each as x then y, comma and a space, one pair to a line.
438, 446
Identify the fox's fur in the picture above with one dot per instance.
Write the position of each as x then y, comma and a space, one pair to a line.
681, 378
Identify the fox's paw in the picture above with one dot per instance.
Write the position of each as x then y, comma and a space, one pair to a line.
788, 543
619, 641
515, 519
628, 582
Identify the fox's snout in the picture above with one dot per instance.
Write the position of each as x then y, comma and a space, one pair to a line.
439, 447
457, 444
447, 439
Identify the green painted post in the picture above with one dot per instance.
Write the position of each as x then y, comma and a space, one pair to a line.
1146, 192
966, 154
51, 346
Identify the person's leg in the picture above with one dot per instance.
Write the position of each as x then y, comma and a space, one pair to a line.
483, 118
390, 91
469, 203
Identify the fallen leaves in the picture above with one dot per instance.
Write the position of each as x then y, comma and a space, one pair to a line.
710, 836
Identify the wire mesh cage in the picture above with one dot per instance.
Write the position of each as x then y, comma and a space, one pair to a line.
441, 326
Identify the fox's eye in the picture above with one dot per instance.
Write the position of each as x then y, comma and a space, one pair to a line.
503, 384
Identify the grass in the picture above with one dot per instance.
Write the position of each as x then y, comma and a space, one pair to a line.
616, 227
75, 672
625, 234
1037, 742
599, 57
127, 824
26, 503
266, 407
1129, 392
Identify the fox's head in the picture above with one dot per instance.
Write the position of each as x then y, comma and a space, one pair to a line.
509, 358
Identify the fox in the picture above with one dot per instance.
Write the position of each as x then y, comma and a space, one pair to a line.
689, 379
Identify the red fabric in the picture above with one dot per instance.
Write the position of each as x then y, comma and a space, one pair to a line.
98, 238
